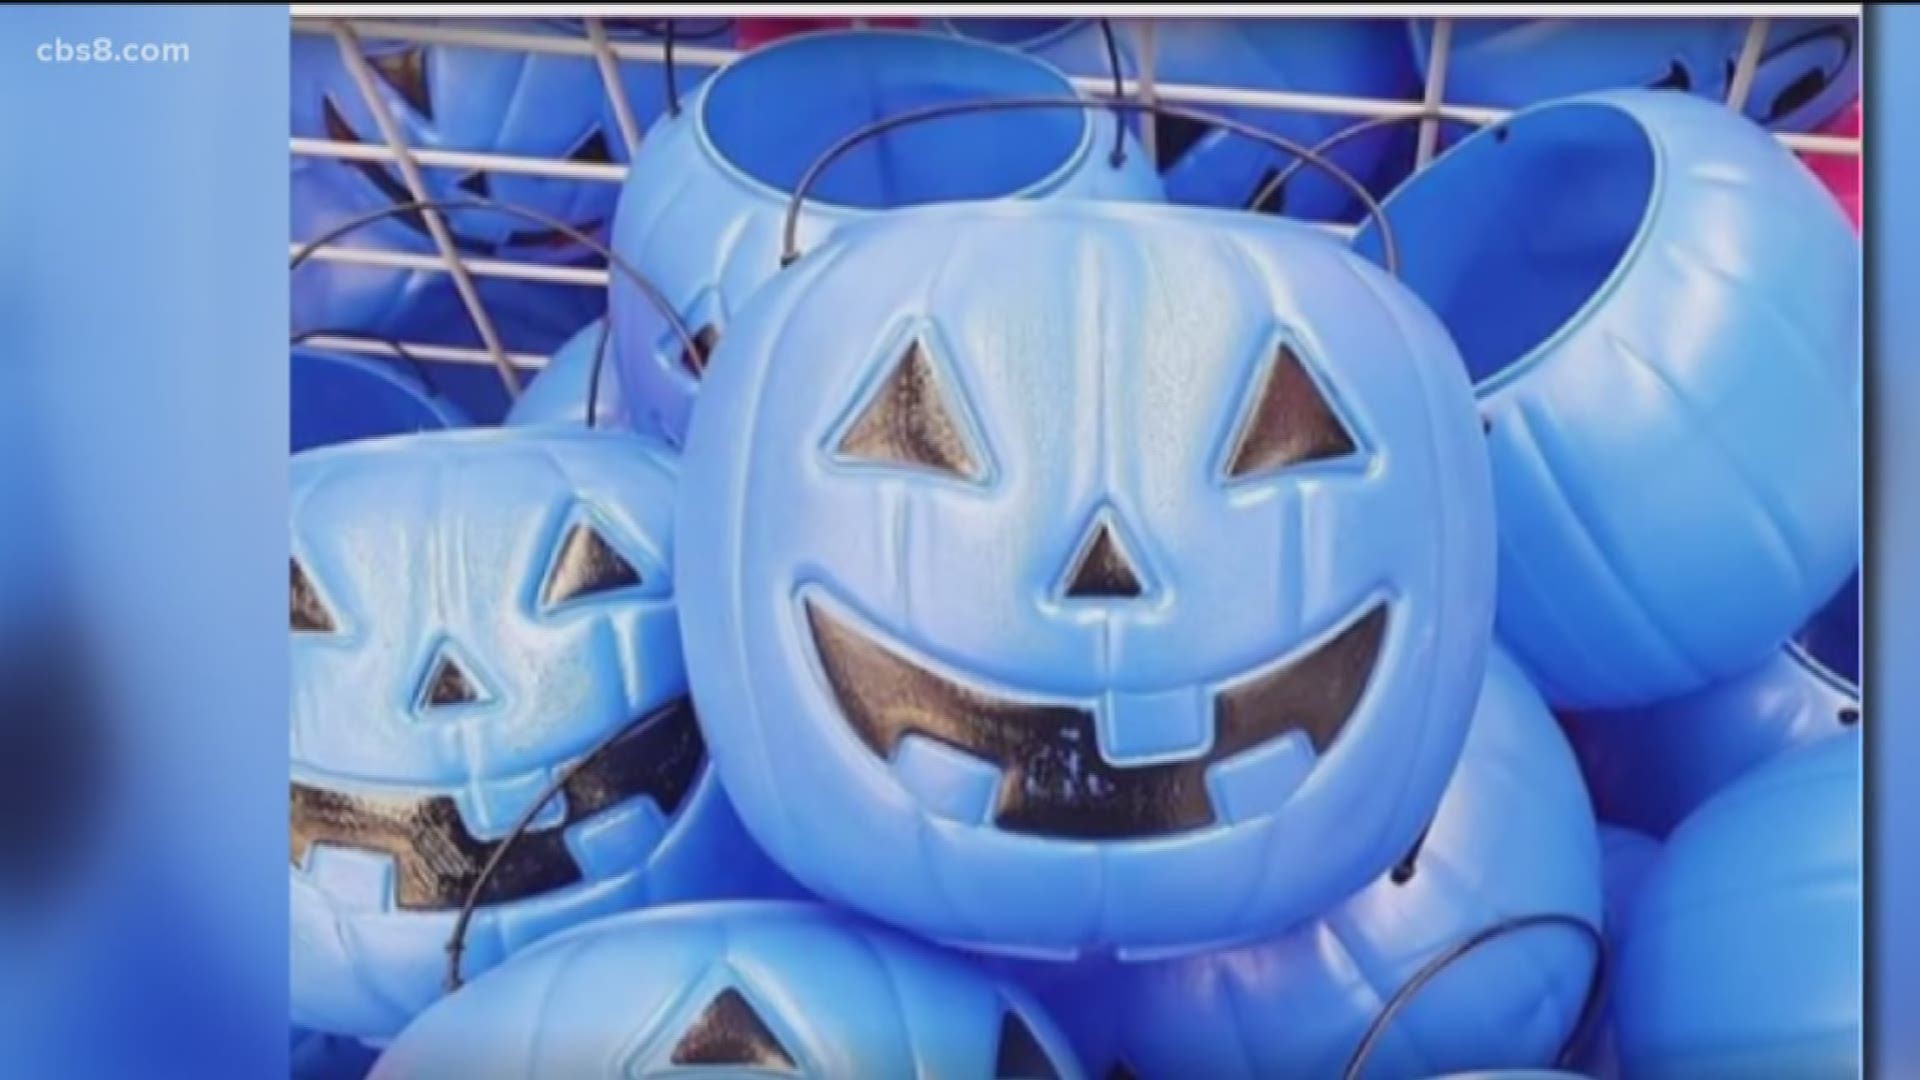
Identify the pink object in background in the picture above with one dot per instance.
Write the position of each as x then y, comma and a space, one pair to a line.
754, 33
1839, 172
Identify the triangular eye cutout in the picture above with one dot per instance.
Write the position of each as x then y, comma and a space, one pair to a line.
448, 684
1290, 423
1020, 1056
476, 183
1676, 78
1173, 136
593, 150
406, 71
729, 1033
305, 612
909, 421
1101, 569
1797, 93
587, 565
695, 359
1275, 203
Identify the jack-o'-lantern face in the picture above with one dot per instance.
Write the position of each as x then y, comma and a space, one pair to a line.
471, 613
1074, 552
451, 650
1062, 763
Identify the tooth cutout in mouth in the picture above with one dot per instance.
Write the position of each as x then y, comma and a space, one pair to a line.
1054, 779
436, 856
950, 783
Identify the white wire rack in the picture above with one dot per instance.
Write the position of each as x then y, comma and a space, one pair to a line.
539, 36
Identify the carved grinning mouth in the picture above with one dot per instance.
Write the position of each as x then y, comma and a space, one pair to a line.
437, 858
375, 173
1054, 780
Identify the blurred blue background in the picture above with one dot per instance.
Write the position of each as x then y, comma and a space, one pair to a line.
1893, 539
143, 315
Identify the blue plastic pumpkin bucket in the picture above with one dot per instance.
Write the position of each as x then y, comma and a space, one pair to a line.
339, 397
733, 990
622, 269
1807, 71
951, 366
1651, 767
453, 98
598, 506
702, 207
1660, 309
414, 305
564, 391
1743, 956
515, 583
1479, 947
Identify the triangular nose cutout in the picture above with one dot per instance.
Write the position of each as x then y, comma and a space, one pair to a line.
1020, 1056
476, 183
730, 1032
448, 684
1101, 569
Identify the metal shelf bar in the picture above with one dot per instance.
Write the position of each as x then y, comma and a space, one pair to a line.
465, 160
445, 354
362, 73
587, 276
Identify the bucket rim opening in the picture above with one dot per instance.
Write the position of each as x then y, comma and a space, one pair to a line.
1624, 127
1085, 121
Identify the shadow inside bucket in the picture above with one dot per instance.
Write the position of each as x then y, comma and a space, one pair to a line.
773, 113
1511, 234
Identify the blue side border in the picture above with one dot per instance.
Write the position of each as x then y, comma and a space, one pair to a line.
1892, 609
143, 404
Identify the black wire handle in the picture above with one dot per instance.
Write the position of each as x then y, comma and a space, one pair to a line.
457, 940
1278, 180
666, 65
669, 31
393, 345
1119, 155
615, 261
1589, 1008
790, 232
593, 372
